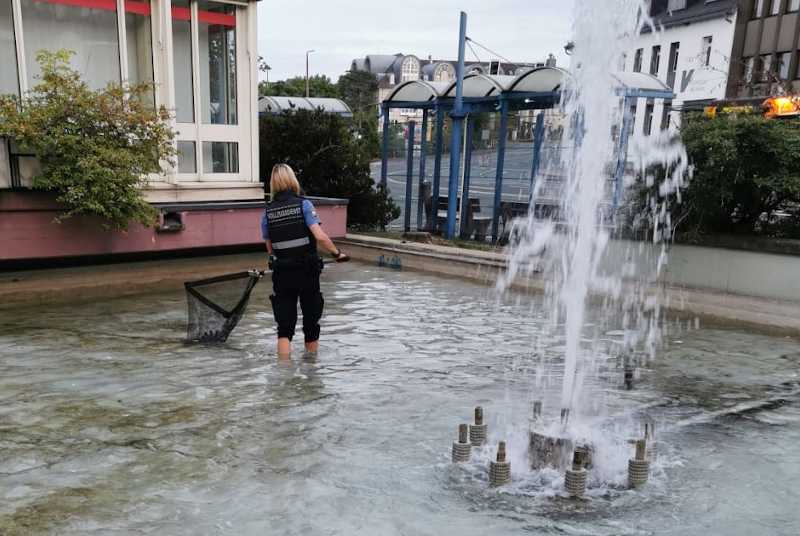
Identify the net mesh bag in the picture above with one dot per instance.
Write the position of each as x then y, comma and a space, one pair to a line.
217, 304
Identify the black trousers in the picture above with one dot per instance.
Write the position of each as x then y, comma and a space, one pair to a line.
293, 283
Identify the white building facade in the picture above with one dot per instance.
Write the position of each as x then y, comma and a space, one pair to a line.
200, 55
690, 53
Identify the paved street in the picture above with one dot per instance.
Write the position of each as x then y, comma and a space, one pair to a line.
516, 177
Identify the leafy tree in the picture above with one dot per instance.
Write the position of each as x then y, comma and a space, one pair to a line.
96, 148
319, 85
328, 161
359, 89
746, 169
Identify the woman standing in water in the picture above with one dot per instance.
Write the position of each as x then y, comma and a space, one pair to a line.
291, 229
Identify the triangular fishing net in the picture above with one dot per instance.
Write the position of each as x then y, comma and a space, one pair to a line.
217, 304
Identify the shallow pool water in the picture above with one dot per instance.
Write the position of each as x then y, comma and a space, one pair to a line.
110, 424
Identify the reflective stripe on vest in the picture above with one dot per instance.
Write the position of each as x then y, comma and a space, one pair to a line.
288, 244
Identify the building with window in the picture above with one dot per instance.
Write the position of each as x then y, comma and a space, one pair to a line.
691, 53
765, 50
199, 54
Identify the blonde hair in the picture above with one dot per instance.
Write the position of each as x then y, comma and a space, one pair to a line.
283, 179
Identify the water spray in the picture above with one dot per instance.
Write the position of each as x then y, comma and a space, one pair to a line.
629, 370
639, 466
478, 431
461, 448
537, 411
500, 470
576, 477
652, 445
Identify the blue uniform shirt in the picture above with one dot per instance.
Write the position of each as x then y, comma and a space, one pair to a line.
309, 214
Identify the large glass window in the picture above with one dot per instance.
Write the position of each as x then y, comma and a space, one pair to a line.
9, 82
792, 6
220, 157
706, 50
766, 67
672, 67
217, 38
139, 41
775, 9
89, 28
637, 60
655, 60
784, 58
182, 59
758, 8
647, 126
187, 158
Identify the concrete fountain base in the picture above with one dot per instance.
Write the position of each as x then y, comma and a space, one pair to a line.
555, 452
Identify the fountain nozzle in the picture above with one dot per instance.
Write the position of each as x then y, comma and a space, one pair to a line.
478, 431
500, 470
575, 478
639, 466
461, 448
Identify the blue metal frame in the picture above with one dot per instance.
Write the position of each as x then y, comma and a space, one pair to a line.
423, 148
538, 140
457, 116
459, 108
409, 175
622, 152
385, 148
464, 230
437, 168
501, 155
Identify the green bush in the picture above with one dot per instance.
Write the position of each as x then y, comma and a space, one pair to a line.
96, 148
746, 178
328, 161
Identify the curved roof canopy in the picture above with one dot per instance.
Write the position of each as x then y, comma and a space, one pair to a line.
544, 80
277, 105
418, 91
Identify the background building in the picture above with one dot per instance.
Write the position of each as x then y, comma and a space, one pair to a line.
394, 69
765, 49
200, 55
691, 53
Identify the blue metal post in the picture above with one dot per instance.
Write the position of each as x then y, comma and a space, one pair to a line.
437, 167
538, 139
423, 147
455, 145
409, 176
385, 148
622, 153
465, 188
501, 156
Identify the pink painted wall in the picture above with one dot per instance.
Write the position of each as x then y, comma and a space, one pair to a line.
27, 230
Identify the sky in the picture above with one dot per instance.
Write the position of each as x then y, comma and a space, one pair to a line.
341, 30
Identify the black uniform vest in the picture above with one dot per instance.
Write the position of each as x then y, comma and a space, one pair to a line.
291, 238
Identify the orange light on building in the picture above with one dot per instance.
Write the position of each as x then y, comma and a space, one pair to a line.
781, 107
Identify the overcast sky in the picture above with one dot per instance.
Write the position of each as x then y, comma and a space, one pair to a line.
340, 30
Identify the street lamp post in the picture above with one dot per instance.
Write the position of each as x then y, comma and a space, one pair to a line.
307, 53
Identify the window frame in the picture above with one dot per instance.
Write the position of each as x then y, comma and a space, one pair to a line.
200, 132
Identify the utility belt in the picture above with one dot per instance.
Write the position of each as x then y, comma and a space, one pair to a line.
311, 262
